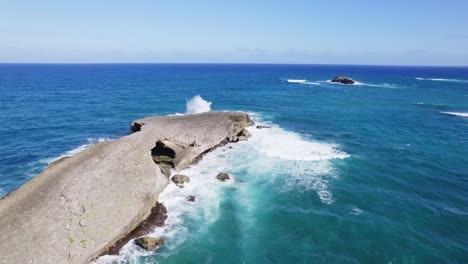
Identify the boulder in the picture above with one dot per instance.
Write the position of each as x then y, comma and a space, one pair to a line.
222, 176
343, 80
149, 243
191, 198
180, 180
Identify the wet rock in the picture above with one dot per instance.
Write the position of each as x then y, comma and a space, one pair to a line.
191, 198
343, 80
222, 176
180, 180
262, 127
149, 243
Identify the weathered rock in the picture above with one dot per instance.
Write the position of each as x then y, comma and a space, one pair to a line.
149, 243
191, 198
180, 180
222, 176
240, 136
343, 80
110, 188
156, 218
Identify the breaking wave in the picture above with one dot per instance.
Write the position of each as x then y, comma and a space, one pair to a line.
281, 160
460, 114
382, 85
442, 80
301, 81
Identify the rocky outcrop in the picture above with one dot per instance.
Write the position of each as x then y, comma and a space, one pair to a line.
180, 180
82, 206
222, 176
343, 80
149, 243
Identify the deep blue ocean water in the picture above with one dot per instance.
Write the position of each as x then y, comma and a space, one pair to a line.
369, 173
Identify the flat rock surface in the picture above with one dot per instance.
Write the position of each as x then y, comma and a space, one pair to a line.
80, 206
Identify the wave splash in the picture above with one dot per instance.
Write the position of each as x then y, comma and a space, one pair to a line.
281, 160
197, 105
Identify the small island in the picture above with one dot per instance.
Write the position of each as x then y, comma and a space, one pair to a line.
343, 80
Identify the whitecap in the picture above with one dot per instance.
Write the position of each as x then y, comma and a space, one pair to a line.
460, 114
355, 211
441, 80
296, 80
197, 105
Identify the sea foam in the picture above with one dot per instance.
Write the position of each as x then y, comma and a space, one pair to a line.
301, 81
460, 114
442, 80
197, 105
281, 159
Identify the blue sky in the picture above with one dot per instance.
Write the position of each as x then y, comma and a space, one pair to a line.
410, 32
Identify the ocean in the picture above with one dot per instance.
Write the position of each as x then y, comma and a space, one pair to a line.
375, 172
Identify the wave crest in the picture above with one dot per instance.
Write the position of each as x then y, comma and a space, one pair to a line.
460, 114
442, 80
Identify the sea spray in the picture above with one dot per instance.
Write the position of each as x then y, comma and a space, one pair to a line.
197, 105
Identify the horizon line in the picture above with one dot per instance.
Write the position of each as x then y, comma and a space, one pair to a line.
225, 63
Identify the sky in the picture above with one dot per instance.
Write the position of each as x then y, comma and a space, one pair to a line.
373, 32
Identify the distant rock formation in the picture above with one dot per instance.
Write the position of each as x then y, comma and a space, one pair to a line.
343, 80
99, 199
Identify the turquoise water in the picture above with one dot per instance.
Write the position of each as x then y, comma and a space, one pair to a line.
370, 173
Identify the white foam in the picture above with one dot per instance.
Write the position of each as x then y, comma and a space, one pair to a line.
441, 80
89, 142
356, 211
197, 105
296, 80
285, 160
301, 81
278, 143
356, 83
460, 114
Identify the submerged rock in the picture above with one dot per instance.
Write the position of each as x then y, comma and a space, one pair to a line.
222, 176
180, 180
191, 198
343, 80
149, 243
